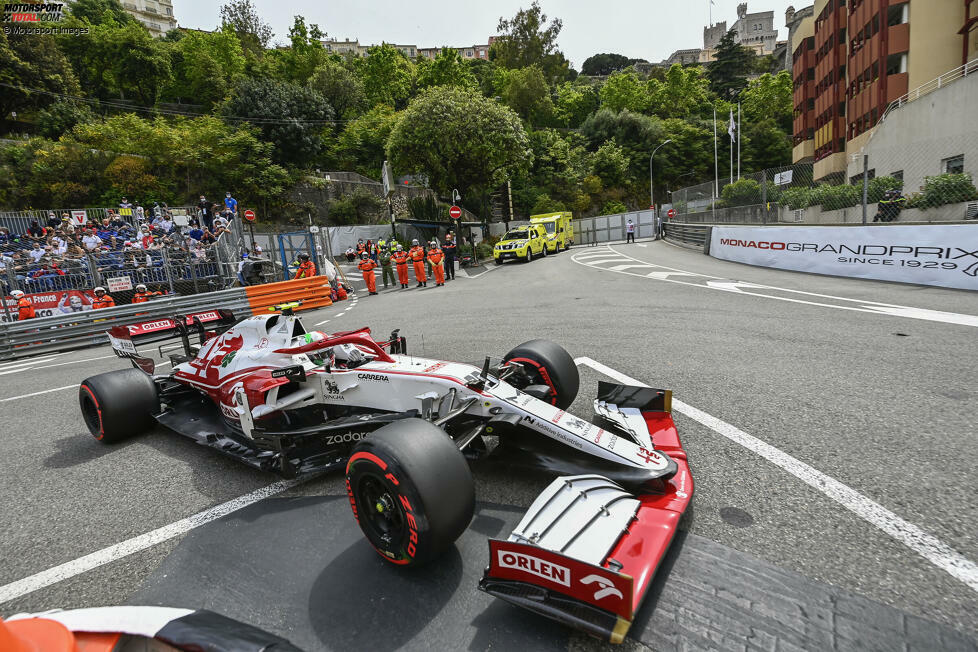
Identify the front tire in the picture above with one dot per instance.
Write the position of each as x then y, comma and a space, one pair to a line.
529, 255
499, 261
118, 404
411, 491
547, 363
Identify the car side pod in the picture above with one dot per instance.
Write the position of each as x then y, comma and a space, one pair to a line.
586, 551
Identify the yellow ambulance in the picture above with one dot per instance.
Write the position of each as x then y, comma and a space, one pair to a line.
560, 229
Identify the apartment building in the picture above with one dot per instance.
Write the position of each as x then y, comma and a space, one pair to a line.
156, 15
858, 56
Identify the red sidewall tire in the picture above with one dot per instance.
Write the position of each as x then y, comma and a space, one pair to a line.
118, 404
411, 491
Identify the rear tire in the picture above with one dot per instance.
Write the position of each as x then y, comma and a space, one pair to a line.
411, 491
544, 250
118, 404
547, 363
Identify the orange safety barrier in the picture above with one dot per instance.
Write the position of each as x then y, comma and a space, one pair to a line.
313, 292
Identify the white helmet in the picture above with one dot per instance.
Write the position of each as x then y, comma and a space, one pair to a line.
415, 242
17, 294
140, 288
99, 289
400, 248
434, 243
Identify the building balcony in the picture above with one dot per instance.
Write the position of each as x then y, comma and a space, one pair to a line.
896, 86
899, 39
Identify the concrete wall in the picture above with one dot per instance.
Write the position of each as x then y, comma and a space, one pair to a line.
917, 136
854, 214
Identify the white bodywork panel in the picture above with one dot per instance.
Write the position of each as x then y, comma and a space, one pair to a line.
580, 516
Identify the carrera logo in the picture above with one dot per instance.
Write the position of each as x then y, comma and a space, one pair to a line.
534, 566
375, 377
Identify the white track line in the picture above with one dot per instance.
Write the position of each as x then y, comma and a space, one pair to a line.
136, 544
924, 544
728, 285
59, 364
46, 391
23, 361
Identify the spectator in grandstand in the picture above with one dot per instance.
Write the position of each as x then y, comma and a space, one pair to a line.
91, 241
53, 221
256, 249
220, 221
166, 224
36, 253
58, 246
145, 238
208, 237
67, 226
195, 232
230, 203
125, 203
351, 255
219, 229
139, 212
204, 207
36, 232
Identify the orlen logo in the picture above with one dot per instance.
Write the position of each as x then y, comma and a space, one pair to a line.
534, 566
148, 326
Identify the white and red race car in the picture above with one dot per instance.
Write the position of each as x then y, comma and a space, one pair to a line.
279, 398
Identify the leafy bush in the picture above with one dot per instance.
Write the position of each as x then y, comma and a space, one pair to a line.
946, 189
544, 204
61, 117
612, 207
742, 192
427, 208
834, 197
796, 198
879, 186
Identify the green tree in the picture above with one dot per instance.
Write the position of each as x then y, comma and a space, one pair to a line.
610, 164
207, 65
61, 117
289, 116
574, 103
361, 145
387, 76
683, 92
732, 63
100, 12
305, 54
526, 40
765, 145
341, 87
243, 18
447, 69
624, 90
459, 139
605, 64
32, 62
485, 75
525, 91
544, 204
142, 66
769, 97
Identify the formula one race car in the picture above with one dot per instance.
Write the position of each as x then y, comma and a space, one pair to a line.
280, 398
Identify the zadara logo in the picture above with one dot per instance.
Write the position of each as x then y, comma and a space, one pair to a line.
31, 12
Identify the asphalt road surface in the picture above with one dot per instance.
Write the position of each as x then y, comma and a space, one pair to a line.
830, 427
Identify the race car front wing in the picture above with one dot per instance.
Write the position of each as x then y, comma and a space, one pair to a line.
587, 550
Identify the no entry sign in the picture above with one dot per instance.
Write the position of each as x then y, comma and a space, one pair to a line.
455, 213
249, 215
671, 213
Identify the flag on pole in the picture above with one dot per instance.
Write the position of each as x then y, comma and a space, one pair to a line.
732, 129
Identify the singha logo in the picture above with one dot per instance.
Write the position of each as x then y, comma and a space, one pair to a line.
331, 387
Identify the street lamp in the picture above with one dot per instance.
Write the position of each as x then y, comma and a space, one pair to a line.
652, 183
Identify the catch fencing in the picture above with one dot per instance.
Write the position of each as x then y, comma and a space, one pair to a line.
613, 228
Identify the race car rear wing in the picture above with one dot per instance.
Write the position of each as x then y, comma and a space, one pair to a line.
586, 550
204, 324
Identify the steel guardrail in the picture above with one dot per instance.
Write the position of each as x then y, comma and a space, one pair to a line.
66, 332
688, 234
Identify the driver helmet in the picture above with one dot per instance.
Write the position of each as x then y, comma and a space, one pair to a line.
140, 288
17, 294
303, 256
313, 336
99, 291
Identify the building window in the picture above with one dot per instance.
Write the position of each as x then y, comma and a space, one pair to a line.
897, 14
898, 175
896, 63
953, 165
468, 53
169, 11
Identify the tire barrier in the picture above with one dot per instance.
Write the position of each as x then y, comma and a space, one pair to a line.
313, 292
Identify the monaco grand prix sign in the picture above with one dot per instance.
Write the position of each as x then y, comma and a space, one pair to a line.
945, 255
